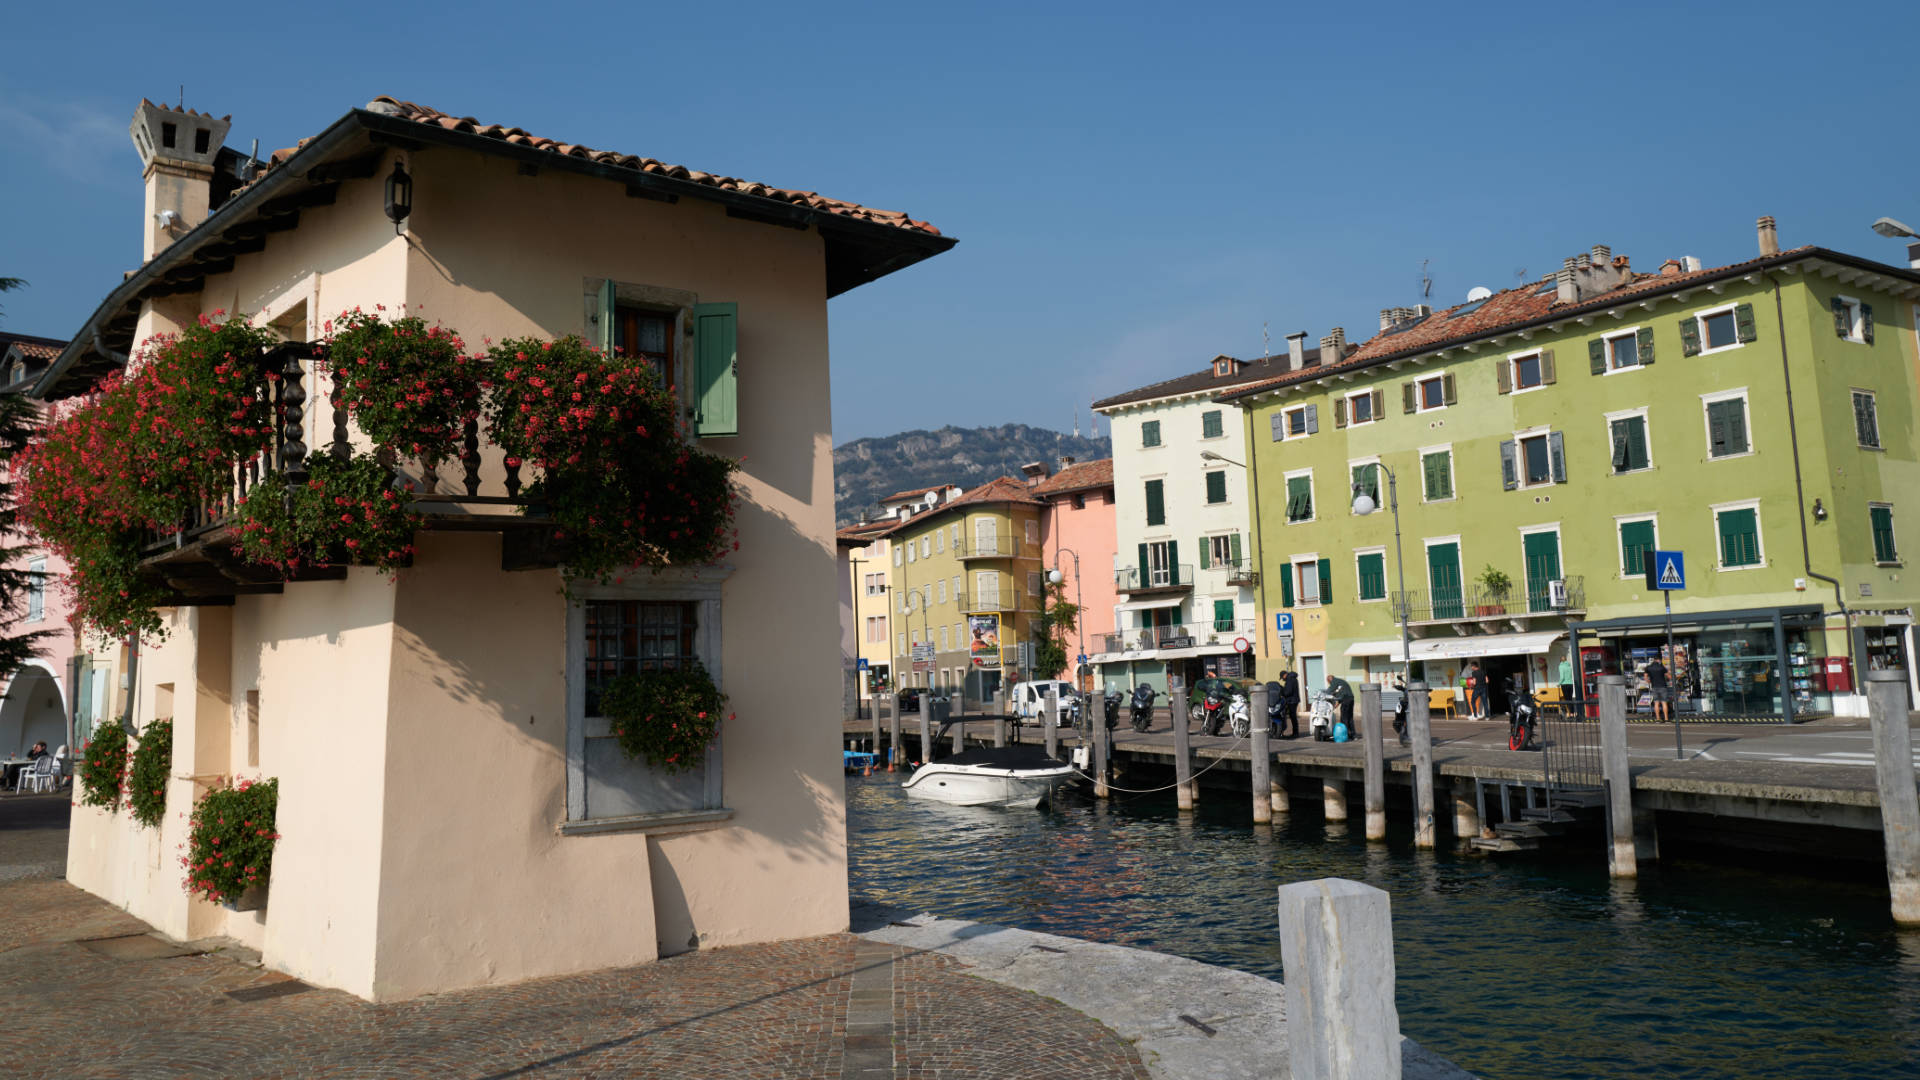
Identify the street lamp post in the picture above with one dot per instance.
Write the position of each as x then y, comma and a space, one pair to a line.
1080, 621
1253, 516
1363, 505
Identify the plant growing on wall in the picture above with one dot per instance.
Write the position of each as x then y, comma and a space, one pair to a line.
348, 511
668, 717
103, 766
410, 386
230, 840
621, 485
147, 776
1057, 620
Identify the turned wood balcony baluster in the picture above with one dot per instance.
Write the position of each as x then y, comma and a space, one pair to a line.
470, 455
342, 448
513, 477
293, 450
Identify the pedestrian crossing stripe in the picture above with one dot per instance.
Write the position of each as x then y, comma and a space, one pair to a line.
1670, 575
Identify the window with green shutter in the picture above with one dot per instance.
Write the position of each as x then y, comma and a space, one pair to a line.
1373, 576
1150, 433
1629, 444
1223, 616
1636, 540
1883, 548
1299, 498
1156, 502
1727, 427
1436, 470
1217, 486
1211, 426
1739, 537
1326, 581
1866, 419
716, 337
1366, 478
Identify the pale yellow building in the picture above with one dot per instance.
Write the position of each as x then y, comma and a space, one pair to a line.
449, 813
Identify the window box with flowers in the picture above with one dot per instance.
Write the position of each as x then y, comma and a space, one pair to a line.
230, 838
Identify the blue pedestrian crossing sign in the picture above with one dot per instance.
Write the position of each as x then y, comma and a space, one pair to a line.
1666, 570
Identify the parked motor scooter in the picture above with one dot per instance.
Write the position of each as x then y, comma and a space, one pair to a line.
1112, 704
1276, 716
1400, 714
1240, 716
1142, 706
1325, 713
1523, 716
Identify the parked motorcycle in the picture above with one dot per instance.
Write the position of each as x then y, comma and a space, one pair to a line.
1324, 714
1276, 716
1142, 706
1214, 711
1523, 717
1112, 703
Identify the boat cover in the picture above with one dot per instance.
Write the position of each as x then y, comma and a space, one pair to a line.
1019, 756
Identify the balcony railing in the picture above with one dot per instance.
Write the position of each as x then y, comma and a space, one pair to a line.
1180, 636
1239, 573
986, 602
1476, 601
1147, 579
987, 547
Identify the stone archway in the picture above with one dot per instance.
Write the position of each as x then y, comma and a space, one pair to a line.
33, 710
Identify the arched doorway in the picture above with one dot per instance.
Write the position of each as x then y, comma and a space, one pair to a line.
33, 710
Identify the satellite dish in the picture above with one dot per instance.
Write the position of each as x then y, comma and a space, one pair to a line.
1478, 292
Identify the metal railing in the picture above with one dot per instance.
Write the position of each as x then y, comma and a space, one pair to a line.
1570, 749
987, 547
1180, 635
1239, 573
1141, 579
1476, 601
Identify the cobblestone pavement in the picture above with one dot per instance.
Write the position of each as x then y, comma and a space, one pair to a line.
71, 974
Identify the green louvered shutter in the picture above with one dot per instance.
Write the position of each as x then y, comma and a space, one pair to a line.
1234, 545
605, 333
1447, 394
1409, 403
1143, 577
1339, 412
716, 349
1743, 327
1739, 538
1636, 539
1509, 465
1841, 323
1173, 564
1690, 336
1217, 486
1373, 577
1883, 549
1643, 344
1206, 554
1223, 616
1866, 323
1557, 455
1326, 581
1597, 356
1286, 586
1156, 503
1637, 457
1548, 372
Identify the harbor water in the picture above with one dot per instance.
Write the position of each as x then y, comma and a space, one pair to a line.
1530, 967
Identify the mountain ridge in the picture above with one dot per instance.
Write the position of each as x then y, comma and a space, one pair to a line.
866, 470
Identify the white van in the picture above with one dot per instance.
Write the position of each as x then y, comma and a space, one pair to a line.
1030, 700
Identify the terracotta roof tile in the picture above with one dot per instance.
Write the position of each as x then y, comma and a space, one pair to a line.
913, 493
1509, 309
1251, 371
36, 351
1003, 489
1081, 476
408, 110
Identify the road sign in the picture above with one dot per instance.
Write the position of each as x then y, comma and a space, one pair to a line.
923, 652
1666, 570
1081, 659
1241, 645
1283, 621
862, 664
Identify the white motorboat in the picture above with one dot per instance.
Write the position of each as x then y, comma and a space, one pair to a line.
991, 776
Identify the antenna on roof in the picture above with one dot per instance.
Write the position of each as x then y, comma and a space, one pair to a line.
1520, 275
1426, 280
1265, 345
183, 97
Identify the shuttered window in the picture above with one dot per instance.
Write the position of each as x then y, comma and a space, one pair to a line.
1308, 574
1300, 498
1629, 443
1373, 576
1325, 570
1223, 616
1211, 426
1217, 487
1366, 479
1436, 471
1636, 540
1727, 427
1739, 537
1150, 433
1156, 502
716, 336
1866, 419
1883, 547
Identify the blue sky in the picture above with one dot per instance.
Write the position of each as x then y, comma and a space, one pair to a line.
1134, 188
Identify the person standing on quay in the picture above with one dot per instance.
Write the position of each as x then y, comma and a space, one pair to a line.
1290, 703
1477, 691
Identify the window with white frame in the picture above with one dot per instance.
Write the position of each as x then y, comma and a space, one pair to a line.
1627, 439
1430, 393
1721, 328
1621, 351
1727, 426
1639, 535
1370, 568
1299, 496
1221, 550
1737, 526
1529, 370
956, 536
942, 590
1852, 320
620, 630
876, 629
944, 640
926, 547
1533, 459
956, 586
1866, 419
1880, 519
1300, 421
1360, 407
1436, 473
1306, 580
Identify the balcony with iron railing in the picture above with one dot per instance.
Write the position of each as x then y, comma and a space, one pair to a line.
1477, 603
1240, 572
987, 547
1170, 578
1180, 635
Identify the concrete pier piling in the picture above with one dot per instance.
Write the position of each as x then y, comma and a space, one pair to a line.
1051, 720
1376, 762
1336, 943
1000, 730
1182, 754
1102, 739
1420, 734
1466, 808
1261, 762
1277, 791
875, 744
893, 732
1333, 794
926, 735
1622, 858
1899, 802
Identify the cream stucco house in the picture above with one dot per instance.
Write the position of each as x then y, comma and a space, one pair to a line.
449, 815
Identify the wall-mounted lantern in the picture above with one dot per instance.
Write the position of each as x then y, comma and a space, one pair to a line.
399, 195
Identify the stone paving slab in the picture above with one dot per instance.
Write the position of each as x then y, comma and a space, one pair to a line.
765, 1012
1190, 1021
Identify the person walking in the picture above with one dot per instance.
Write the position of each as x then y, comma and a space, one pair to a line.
1566, 675
1290, 704
1477, 691
1656, 673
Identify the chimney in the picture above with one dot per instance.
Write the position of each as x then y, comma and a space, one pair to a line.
1692, 261
177, 148
1601, 254
1420, 311
1671, 266
1296, 350
1333, 346
1769, 236
1066, 462
1566, 288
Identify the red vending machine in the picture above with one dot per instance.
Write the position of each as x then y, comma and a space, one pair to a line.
1595, 661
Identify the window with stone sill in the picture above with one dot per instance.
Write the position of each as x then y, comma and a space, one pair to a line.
624, 629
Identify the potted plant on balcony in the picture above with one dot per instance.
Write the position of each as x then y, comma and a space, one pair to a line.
1496, 585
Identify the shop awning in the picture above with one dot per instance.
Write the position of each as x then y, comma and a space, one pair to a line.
1145, 605
1454, 648
1389, 649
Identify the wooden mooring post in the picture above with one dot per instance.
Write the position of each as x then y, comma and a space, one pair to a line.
1182, 756
1899, 803
1621, 857
875, 744
1420, 733
1262, 759
1376, 761
893, 731
1052, 722
926, 734
1101, 738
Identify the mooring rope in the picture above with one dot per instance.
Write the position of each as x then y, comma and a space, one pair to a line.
1153, 791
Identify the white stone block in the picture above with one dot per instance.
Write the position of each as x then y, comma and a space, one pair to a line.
1336, 942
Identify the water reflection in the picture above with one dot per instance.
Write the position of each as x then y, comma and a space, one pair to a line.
1514, 969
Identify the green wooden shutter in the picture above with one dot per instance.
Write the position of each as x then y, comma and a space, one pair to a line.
1223, 616
1866, 323
1883, 549
1373, 577
1690, 336
1840, 320
1739, 538
1717, 444
1156, 503
1144, 576
1378, 399
1557, 455
605, 330
1326, 581
1503, 377
1234, 544
1547, 374
1597, 355
1286, 586
1618, 432
1636, 539
1150, 433
1217, 486
1637, 457
1339, 412
1509, 465
1643, 344
1173, 563
1743, 327
1447, 395
716, 337
1408, 402
1210, 425
1206, 554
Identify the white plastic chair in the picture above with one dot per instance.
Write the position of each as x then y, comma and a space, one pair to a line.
40, 776
60, 766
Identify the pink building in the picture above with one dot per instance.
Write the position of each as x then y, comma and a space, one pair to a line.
1078, 521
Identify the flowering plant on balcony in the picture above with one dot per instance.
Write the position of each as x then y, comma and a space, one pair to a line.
667, 716
621, 485
348, 511
230, 840
410, 386
103, 766
147, 776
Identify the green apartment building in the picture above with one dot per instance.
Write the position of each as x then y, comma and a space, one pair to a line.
1758, 418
